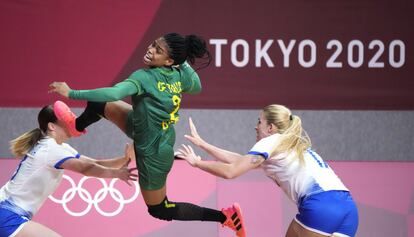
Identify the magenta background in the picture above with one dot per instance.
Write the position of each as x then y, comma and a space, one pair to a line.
97, 43
84, 43
385, 186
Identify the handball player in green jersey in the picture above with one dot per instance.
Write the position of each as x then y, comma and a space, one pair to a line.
156, 93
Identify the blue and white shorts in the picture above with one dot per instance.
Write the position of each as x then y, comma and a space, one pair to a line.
329, 212
11, 221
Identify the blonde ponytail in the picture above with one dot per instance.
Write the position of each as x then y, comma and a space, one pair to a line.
21, 145
293, 136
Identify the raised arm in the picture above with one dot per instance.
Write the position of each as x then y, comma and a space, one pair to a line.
216, 152
117, 92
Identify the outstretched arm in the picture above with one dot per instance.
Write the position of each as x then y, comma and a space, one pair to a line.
216, 152
220, 169
116, 162
106, 94
91, 167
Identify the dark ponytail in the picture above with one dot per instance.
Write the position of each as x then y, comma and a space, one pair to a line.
187, 48
46, 116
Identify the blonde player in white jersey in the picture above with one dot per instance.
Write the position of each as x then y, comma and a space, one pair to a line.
325, 206
45, 156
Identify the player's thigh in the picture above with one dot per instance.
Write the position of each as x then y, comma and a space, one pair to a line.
296, 230
117, 113
339, 235
154, 197
34, 229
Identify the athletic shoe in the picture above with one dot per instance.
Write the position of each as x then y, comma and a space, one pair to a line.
64, 114
234, 219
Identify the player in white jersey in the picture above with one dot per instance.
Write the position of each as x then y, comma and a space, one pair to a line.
283, 151
45, 156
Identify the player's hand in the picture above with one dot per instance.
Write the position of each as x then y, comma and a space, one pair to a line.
194, 137
187, 153
59, 87
126, 174
129, 153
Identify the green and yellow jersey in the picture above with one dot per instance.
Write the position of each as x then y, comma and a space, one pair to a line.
156, 96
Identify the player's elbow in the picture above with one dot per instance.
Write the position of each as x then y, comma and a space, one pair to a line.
231, 173
114, 97
228, 176
87, 169
234, 170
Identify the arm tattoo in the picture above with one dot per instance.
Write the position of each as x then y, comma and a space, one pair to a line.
256, 160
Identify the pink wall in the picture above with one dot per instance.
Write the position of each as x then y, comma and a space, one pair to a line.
378, 187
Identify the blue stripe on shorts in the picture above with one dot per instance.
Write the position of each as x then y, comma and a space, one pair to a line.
329, 212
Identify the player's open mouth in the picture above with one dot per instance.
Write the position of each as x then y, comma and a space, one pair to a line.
147, 58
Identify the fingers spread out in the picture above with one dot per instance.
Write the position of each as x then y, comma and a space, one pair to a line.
181, 153
187, 149
133, 177
127, 162
54, 84
192, 126
52, 88
191, 149
126, 148
129, 150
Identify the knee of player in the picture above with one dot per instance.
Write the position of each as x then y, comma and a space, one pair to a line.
163, 211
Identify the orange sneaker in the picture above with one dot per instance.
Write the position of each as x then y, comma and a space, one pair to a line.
235, 219
64, 114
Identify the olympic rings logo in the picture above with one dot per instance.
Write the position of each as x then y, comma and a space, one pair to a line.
99, 196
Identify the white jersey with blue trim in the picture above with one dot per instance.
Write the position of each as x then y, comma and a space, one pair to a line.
297, 180
37, 175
